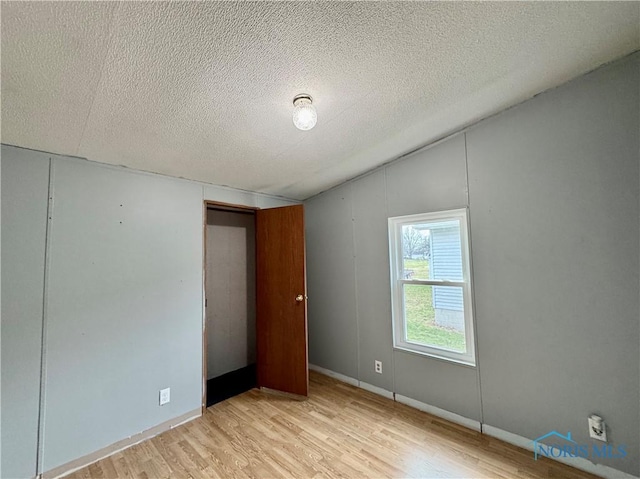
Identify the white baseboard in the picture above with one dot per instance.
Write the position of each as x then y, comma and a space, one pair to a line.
126, 443
376, 390
606, 472
354, 382
436, 411
449, 416
578, 462
334, 375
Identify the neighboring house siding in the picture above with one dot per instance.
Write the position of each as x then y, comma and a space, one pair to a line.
446, 263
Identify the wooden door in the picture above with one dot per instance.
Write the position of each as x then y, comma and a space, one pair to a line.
281, 314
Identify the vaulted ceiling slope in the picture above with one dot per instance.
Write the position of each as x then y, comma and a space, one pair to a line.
204, 90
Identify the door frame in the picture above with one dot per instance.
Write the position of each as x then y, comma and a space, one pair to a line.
217, 205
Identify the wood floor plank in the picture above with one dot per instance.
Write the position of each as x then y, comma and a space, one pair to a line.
340, 432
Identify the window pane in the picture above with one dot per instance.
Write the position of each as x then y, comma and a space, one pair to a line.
432, 250
434, 316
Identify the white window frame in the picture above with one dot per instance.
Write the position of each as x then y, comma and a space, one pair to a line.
398, 281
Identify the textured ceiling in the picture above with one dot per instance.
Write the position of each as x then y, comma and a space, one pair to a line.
204, 90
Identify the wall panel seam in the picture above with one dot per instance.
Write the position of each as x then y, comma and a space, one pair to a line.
43, 338
355, 277
473, 294
393, 355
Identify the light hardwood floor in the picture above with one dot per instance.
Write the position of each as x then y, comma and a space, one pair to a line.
340, 431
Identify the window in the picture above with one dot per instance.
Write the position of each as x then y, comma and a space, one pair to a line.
431, 285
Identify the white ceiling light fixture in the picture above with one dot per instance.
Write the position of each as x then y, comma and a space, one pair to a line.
304, 113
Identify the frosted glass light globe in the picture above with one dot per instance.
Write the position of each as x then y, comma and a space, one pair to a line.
304, 113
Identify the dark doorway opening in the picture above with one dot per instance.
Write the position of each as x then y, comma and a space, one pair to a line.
230, 320
231, 384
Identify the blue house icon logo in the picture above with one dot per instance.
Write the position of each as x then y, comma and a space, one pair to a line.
540, 447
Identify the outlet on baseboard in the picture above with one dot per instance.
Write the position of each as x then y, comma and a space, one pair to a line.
378, 366
597, 428
165, 396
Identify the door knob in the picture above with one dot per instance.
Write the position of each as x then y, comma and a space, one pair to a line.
300, 298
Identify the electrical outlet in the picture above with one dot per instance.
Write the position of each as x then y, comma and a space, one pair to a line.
378, 366
597, 428
165, 396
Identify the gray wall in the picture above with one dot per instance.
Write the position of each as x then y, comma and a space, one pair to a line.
331, 276
230, 291
554, 219
349, 291
124, 306
122, 303
0, 320
552, 190
25, 182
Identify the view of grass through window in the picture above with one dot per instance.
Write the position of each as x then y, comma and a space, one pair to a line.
420, 314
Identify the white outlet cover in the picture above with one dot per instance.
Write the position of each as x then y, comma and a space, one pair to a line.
165, 396
597, 429
378, 366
